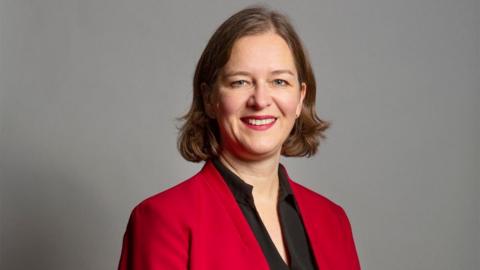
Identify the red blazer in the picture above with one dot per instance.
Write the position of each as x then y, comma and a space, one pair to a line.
198, 225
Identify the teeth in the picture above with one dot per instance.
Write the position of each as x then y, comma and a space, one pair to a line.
260, 122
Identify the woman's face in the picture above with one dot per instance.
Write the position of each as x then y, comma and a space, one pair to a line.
258, 97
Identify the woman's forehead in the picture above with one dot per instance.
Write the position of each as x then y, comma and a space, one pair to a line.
267, 52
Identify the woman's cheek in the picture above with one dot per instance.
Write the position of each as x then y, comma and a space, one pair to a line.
288, 104
229, 104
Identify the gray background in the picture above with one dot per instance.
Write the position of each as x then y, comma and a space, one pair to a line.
90, 90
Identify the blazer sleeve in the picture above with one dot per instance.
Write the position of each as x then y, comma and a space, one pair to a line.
155, 239
349, 243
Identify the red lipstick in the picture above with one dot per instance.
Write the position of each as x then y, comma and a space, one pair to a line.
259, 122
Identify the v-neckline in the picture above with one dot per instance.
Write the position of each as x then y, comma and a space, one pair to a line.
241, 224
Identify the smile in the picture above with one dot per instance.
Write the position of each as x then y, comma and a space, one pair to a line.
259, 122
256, 122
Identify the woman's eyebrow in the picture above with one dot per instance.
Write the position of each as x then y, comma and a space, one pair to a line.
245, 73
281, 71
236, 73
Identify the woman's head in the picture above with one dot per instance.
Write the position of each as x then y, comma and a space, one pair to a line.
201, 136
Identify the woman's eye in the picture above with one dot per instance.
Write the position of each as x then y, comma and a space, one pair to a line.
239, 83
280, 82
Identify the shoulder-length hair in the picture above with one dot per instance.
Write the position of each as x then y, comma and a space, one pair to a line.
199, 135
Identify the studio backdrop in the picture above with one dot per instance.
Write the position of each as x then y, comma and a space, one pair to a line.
90, 91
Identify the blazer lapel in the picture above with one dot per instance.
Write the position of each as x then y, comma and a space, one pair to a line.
310, 217
221, 190
308, 220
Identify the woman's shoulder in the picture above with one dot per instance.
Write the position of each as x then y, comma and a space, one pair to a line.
308, 196
313, 199
174, 197
182, 200
174, 205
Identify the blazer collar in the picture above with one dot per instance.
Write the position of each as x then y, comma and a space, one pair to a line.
242, 191
220, 188
309, 215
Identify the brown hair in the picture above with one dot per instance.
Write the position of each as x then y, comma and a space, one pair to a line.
199, 136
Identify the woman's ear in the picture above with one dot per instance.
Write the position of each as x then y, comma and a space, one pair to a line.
303, 92
208, 100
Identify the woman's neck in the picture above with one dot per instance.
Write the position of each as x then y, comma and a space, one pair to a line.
261, 174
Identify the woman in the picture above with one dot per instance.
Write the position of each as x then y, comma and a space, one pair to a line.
254, 100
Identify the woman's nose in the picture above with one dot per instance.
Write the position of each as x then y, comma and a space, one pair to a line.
260, 97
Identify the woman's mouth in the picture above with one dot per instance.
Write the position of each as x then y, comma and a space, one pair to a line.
262, 122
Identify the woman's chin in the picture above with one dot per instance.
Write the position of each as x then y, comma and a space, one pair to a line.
253, 148
256, 152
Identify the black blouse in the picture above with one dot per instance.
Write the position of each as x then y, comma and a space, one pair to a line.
296, 240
